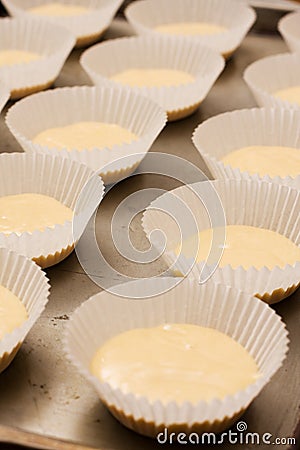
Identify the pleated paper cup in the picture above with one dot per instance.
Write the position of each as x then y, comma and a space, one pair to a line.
29, 283
289, 29
236, 17
4, 95
245, 202
87, 28
69, 182
247, 320
268, 75
65, 106
107, 59
220, 135
33, 36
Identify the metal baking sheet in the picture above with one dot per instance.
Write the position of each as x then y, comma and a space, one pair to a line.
41, 391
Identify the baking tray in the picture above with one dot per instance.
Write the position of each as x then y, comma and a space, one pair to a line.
41, 391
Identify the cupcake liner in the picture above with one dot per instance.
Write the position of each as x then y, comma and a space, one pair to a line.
276, 5
144, 16
217, 137
33, 36
289, 29
244, 203
268, 75
4, 95
108, 58
35, 174
247, 320
60, 107
87, 27
30, 284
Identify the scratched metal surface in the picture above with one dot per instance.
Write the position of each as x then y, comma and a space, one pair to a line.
41, 391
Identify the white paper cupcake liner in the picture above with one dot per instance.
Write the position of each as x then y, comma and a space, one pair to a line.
268, 75
245, 202
238, 18
218, 136
87, 27
109, 58
289, 28
29, 283
247, 320
4, 95
60, 107
33, 36
61, 179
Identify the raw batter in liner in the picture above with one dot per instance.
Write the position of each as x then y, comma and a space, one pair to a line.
152, 77
12, 312
14, 57
245, 246
266, 160
59, 9
175, 362
29, 212
291, 94
191, 28
85, 136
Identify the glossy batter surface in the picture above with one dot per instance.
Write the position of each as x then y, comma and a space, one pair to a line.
245, 246
291, 94
59, 9
29, 212
12, 312
153, 77
15, 57
85, 136
191, 28
179, 362
266, 160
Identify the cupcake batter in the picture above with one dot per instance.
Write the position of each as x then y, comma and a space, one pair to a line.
191, 28
12, 312
85, 136
179, 362
266, 160
14, 57
291, 94
29, 212
58, 9
246, 246
152, 77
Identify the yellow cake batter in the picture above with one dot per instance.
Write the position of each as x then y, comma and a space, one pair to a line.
58, 9
14, 57
191, 28
245, 246
29, 212
266, 160
179, 362
85, 136
291, 94
152, 77
12, 312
